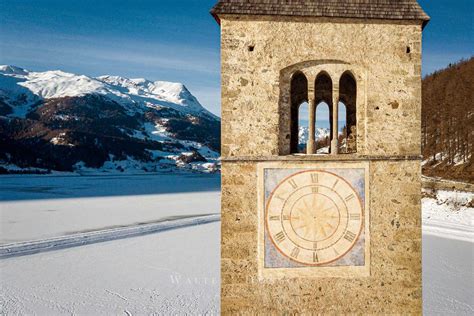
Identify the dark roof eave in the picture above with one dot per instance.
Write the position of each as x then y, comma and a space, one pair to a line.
218, 20
358, 9
216, 17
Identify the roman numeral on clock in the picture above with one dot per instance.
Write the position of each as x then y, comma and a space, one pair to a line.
280, 237
295, 252
354, 217
293, 184
315, 189
280, 198
350, 236
314, 177
315, 257
275, 218
286, 217
349, 197
335, 183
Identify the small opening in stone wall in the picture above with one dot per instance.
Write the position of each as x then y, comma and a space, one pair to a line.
408, 50
299, 96
251, 48
377, 108
347, 114
323, 99
343, 133
323, 128
303, 127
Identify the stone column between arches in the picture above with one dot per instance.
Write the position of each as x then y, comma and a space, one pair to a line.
335, 119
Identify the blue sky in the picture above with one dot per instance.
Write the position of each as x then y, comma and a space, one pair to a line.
173, 40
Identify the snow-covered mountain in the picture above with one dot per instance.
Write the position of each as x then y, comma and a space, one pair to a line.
22, 89
320, 134
55, 120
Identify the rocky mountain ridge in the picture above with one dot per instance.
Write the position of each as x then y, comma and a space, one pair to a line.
60, 121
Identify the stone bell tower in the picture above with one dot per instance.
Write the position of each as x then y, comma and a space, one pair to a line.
311, 225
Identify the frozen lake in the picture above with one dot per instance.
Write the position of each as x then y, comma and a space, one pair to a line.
38, 207
41, 187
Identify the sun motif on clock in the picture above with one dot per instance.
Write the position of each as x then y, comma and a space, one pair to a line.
314, 217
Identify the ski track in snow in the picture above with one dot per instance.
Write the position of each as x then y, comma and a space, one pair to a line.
32, 247
177, 271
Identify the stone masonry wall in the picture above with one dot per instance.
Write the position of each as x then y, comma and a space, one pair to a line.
385, 57
387, 75
394, 286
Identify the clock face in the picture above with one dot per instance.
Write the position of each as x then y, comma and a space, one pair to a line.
314, 217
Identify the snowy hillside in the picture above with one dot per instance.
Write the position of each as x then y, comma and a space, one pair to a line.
22, 89
55, 120
448, 116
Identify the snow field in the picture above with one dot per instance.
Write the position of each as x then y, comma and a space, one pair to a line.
449, 214
175, 272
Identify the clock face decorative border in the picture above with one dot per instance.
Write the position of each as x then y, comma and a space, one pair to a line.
313, 219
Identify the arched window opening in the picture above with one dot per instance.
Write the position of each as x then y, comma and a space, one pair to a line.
323, 99
323, 128
303, 127
298, 96
342, 125
348, 96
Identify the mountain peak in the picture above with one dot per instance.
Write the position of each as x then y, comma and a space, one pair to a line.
138, 94
65, 121
12, 70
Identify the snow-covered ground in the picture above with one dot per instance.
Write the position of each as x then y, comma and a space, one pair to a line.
448, 253
174, 271
170, 273
449, 214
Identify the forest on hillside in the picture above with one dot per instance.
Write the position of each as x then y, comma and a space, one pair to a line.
448, 122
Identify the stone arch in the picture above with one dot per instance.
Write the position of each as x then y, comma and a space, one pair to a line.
294, 81
298, 96
323, 88
323, 122
348, 96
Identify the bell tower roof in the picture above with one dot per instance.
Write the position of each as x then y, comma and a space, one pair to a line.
360, 9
